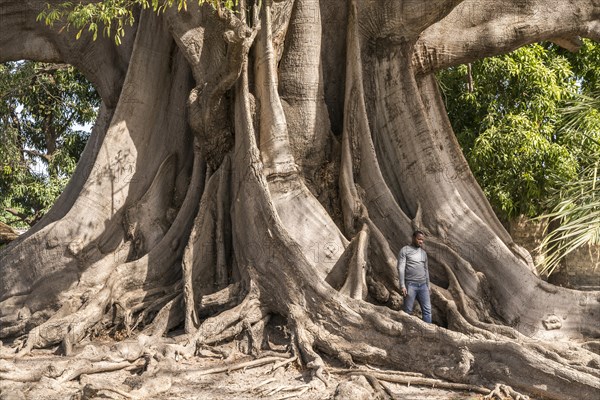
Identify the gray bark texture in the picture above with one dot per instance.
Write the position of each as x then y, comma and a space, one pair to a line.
271, 162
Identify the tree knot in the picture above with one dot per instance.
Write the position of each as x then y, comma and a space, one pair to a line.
458, 371
552, 322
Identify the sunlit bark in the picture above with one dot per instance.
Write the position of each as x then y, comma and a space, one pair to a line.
272, 161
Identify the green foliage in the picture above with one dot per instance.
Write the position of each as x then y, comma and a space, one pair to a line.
41, 106
517, 178
575, 205
111, 16
579, 214
515, 126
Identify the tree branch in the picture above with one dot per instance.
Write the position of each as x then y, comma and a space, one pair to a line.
37, 153
483, 28
571, 44
399, 21
51, 68
16, 213
22, 37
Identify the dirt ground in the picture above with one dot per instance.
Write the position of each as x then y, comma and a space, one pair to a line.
223, 372
189, 379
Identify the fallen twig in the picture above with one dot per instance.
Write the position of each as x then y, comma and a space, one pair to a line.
380, 390
265, 382
418, 381
285, 362
286, 389
291, 395
403, 373
20, 377
388, 390
228, 368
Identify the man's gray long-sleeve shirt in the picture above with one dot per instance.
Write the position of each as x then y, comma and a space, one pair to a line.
413, 265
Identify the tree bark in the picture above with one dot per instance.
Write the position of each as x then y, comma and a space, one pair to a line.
272, 161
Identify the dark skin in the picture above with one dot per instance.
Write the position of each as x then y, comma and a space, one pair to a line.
417, 241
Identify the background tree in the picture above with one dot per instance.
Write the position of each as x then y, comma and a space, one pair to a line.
513, 119
239, 170
43, 108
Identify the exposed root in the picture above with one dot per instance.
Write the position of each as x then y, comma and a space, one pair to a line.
501, 392
9, 372
388, 391
349, 273
65, 370
165, 302
356, 282
381, 391
189, 374
150, 388
312, 360
90, 391
148, 300
466, 310
393, 377
168, 317
231, 322
460, 319
256, 334
85, 367
207, 262
73, 322
223, 298
72, 328
204, 350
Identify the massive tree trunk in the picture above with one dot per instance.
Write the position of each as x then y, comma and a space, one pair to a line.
273, 161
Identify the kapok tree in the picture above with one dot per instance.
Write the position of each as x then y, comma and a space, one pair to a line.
272, 161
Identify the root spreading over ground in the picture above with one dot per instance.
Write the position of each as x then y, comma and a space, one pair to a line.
247, 186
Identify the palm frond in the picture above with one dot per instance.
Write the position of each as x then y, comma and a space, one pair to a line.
578, 215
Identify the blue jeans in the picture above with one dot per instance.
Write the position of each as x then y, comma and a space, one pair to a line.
419, 291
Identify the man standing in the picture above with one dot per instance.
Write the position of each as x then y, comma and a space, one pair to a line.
413, 271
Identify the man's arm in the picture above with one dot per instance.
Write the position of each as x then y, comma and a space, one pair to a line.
401, 268
427, 268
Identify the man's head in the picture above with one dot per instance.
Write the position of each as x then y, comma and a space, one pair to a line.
418, 238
